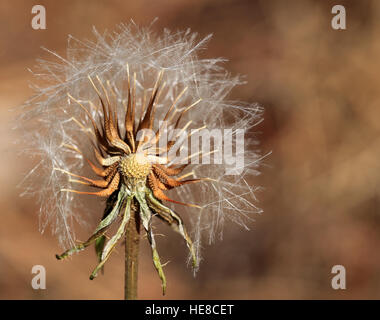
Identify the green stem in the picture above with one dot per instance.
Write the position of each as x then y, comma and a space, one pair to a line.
132, 240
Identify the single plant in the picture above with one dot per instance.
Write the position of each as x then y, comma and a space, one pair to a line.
110, 105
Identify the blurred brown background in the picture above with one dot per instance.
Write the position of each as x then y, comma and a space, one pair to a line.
319, 88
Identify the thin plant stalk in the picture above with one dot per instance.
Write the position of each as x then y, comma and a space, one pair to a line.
132, 241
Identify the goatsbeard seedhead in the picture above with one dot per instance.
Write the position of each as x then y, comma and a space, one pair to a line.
86, 122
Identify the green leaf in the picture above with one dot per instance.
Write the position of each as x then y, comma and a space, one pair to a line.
99, 246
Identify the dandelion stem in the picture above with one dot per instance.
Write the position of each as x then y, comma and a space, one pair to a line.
132, 240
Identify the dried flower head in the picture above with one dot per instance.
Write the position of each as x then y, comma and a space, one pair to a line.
121, 108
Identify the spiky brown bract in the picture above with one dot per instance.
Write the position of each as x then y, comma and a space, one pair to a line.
131, 174
58, 129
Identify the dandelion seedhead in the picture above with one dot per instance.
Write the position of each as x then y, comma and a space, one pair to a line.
126, 108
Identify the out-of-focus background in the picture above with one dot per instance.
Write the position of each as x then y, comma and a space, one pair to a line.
320, 91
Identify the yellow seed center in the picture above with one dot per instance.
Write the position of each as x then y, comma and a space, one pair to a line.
135, 166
